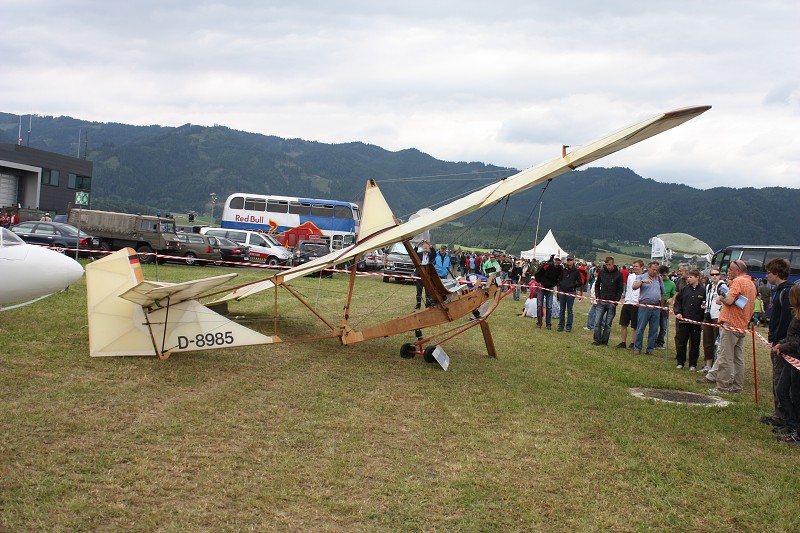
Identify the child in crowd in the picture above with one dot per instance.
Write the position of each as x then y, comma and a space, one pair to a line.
758, 311
530, 310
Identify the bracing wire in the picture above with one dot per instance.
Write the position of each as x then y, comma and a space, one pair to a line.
500, 227
440, 177
485, 212
446, 200
522, 228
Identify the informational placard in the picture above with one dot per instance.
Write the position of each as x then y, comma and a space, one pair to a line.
441, 357
81, 198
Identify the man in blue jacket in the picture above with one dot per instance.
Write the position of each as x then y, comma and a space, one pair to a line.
442, 262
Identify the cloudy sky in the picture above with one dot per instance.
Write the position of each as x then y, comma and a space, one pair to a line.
500, 82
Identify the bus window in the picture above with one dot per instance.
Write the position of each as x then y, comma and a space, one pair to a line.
277, 206
255, 204
772, 254
237, 202
717, 259
342, 211
795, 264
725, 259
356, 214
296, 208
754, 259
319, 210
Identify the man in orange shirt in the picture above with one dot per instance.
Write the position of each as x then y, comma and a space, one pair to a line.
729, 373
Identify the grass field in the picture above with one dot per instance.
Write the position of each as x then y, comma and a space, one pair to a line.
315, 436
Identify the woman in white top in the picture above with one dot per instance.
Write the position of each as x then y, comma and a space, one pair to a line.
712, 308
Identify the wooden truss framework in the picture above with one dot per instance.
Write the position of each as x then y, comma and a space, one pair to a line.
447, 307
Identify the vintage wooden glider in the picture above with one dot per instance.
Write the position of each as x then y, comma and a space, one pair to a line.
130, 316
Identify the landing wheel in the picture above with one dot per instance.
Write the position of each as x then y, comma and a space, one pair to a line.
428, 354
407, 351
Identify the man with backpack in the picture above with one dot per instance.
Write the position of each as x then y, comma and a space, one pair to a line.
778, 270
547, 275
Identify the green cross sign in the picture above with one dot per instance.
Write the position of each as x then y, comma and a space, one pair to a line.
81, 198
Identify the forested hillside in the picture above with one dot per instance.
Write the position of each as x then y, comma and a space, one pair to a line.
154, 168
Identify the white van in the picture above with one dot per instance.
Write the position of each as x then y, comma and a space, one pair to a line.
263, 248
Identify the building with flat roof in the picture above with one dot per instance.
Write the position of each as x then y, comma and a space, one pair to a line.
37, 179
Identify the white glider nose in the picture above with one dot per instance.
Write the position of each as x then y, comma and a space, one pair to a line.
31, 271
63, 270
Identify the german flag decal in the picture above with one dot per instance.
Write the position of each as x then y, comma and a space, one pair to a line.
136, 267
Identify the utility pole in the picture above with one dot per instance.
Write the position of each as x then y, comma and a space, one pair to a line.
213, 203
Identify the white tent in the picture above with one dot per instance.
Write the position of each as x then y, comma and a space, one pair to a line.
547, 247
667, 245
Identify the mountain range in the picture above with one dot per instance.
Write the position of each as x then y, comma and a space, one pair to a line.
155, 168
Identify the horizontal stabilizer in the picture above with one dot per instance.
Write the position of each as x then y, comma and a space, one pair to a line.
148, 293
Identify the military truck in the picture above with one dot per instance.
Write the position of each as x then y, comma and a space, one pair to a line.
144, 233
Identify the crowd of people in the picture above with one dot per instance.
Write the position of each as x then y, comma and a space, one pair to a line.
712, 313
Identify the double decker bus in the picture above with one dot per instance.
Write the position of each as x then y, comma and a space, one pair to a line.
292, 219
756, 258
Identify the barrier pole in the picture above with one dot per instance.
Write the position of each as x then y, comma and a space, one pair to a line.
755, 372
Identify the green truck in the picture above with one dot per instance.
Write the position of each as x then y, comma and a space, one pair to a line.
147, 234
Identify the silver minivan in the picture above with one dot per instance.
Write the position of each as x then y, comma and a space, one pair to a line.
263, 248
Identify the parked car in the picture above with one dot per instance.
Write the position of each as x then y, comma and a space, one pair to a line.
398, 262
263, 248
56, 235
306, 251
197, 249
232, 252
373, 260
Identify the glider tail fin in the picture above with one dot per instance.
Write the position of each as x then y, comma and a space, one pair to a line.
116, 326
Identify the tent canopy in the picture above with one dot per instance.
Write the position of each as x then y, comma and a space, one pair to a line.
547, 247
